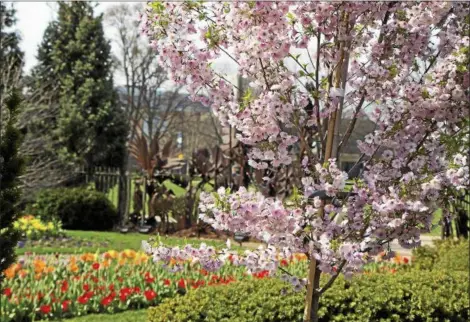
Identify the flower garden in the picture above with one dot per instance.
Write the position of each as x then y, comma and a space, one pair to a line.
347, 133
62, 286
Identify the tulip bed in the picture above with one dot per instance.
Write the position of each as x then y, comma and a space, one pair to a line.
33, 228
63, 286
57, 287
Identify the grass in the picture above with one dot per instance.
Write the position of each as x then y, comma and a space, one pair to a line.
128, 316
116, 241
113, 194
436, 231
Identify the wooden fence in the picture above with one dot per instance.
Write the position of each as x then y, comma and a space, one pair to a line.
110, 181
462, 216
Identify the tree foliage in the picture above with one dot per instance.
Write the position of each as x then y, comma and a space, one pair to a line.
78, 114
11, 165
11, 56
406, 60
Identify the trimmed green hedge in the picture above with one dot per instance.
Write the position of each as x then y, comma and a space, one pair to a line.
446, 255
77, 208
405, 296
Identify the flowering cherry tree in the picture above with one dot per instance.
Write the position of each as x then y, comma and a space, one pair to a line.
404, 61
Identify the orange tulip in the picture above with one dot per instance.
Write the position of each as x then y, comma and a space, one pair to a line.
23, 273
300, 257
39, 265
88, 257
11, 271
397, 259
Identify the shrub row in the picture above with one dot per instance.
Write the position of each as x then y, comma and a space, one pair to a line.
446, 255
77, 208
408, 296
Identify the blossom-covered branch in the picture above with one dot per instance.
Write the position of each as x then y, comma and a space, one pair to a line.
415, 106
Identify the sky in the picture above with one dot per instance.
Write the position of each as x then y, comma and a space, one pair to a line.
33, 18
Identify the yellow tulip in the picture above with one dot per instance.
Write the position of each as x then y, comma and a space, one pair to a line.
128, 253
88, 257
111, 254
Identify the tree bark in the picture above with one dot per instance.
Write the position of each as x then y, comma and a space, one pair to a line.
313, 296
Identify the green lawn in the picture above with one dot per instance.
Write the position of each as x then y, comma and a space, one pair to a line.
114, 240
112, 194
436, 231
128, 316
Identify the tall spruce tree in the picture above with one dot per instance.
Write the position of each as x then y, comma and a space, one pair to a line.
75, 69
11, 165
11, 56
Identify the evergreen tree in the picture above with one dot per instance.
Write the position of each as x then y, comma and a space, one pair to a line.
75, 68
11, 165
11, 56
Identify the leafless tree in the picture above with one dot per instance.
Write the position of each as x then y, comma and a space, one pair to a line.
41, 147
143, 96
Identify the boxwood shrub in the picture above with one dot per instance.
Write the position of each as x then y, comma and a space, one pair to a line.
446, 255
405, 296
77, 208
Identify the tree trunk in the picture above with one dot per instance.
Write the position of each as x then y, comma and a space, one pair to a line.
313, 297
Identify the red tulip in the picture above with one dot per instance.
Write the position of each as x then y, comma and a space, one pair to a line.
148, 278
65, 305
150, 295
45, 309
284, 262
181, 283
83, 299
86, 287
106, 301
137, 290
95, 266
64, 287
7, 292
261, 274
166, 282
